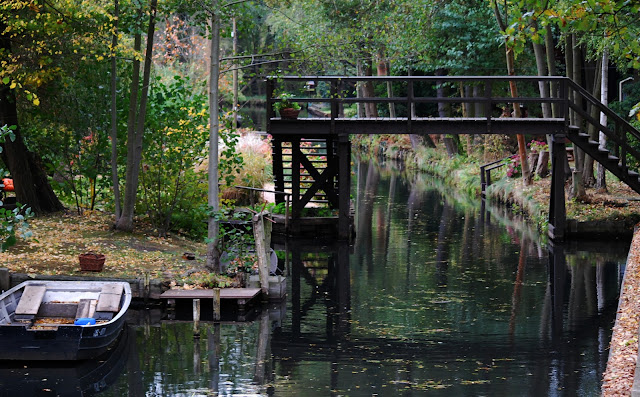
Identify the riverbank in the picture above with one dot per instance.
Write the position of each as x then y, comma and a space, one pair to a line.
618, 379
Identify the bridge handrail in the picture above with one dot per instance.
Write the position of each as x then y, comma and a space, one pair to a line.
486, 98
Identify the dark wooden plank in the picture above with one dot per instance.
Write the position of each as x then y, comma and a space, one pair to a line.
64, 310
83, 308
31, 299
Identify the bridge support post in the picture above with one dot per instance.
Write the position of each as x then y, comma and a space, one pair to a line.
557, 210
344, 187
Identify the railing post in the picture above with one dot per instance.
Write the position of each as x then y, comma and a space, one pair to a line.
564, 94
334, 105
410, 105
488, 102
483, 182
270, 113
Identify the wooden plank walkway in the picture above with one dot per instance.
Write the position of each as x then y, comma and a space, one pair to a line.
241, 295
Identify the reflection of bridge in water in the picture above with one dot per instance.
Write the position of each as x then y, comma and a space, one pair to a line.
568, 293
312, 156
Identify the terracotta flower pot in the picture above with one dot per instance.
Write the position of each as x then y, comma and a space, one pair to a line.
91, 262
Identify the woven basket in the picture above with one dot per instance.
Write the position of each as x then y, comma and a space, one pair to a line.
91, 262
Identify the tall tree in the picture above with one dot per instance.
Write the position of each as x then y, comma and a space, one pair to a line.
136, 122
527, 177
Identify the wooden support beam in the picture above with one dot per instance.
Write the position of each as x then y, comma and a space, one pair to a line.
344, 187
557, 210
278, 169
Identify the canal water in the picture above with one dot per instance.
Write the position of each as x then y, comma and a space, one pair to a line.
436, 296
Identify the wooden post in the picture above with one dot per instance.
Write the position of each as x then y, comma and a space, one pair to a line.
196, 318
344, 187
147, 286
216, 304
5, 279
286, 215
557, 210
262, 250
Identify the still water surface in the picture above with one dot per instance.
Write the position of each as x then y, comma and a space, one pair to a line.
434, 297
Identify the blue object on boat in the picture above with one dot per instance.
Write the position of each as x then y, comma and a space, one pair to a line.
85, 321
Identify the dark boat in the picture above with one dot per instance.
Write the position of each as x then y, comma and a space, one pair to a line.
67, 378
61, 320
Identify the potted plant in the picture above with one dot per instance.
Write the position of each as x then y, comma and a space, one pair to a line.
286, 107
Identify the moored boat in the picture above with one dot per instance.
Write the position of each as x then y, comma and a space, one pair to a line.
61, 320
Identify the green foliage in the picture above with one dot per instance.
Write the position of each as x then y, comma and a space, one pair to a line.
286, 102
13, 222
175, 141
207, 280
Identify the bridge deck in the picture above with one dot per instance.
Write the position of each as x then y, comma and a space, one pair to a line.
422, 125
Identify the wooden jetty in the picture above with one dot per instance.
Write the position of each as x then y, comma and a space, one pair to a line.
242, 296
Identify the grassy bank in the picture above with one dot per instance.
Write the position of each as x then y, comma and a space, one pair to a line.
620, 205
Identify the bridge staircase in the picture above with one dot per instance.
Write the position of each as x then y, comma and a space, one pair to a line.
620, 136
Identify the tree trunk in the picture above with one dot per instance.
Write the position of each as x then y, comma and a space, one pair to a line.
522, 148
370, 109
213, 251
577, 59
527, 177
31, 184
587, 169
383, 70
444, 110
114, 111
134, 140
543, 87
551, 65
601, 182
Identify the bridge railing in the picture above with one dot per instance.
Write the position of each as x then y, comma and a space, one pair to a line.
413, 97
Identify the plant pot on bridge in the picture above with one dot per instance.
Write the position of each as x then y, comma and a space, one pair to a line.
289, 113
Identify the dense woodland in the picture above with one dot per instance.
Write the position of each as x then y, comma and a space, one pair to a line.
106, 104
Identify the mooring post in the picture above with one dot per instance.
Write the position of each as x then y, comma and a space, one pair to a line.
196, 318
216, 304
557, 210
147, 286
262, 249
5, 279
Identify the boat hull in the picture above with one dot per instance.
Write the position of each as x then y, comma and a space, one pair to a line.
61, 342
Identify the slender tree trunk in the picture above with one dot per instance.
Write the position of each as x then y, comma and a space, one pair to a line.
522, 146
134, 141
527, 177
114, 112
213, 252
31, 184
587, 171
383, 70
371, 110
551, 65
601, 183
444, 110
578, 61
543, 87
360, 90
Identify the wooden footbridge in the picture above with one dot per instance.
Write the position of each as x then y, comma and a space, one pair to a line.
312, 156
